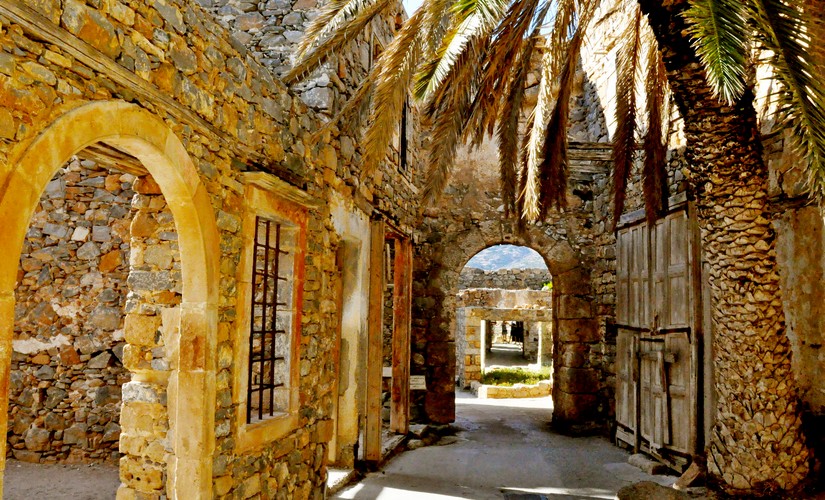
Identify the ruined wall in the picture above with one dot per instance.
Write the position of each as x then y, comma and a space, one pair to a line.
172, 60
465, 221
511, 279
800, 253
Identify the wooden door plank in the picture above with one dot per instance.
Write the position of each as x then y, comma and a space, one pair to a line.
375, 361
402, 324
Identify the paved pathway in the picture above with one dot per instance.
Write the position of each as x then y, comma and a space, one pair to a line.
505, 451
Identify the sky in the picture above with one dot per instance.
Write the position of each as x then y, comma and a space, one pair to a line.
412, 6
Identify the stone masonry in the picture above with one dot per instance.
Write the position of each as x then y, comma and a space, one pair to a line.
510, 279
191, 82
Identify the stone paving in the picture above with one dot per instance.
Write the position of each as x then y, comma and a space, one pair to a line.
505, 449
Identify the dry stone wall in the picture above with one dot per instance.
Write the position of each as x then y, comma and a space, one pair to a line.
67, 371
510, 279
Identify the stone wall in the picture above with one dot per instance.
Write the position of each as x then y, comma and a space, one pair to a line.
800, 253
511, 279
465, 221
67, 368
205, 93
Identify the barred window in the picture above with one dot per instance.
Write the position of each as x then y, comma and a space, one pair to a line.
268, 391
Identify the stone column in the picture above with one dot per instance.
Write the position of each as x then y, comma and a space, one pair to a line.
151, 329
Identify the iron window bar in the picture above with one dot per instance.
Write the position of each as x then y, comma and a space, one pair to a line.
265, 308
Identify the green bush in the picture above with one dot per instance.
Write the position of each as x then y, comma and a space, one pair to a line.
511, 376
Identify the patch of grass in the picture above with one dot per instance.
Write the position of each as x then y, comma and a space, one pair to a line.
512, 376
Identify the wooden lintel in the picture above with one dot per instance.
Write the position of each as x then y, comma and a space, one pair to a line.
109, 157
375, 360
273, 184
402, 325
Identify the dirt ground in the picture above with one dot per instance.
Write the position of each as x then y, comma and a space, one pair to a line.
25, 481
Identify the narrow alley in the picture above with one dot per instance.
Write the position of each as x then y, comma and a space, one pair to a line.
504, 449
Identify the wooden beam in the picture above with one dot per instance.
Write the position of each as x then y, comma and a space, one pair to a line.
402, 324
338, 291
110, 157
375, 358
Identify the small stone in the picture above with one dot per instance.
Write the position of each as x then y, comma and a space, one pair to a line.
31, 457
80, 233
110, 261
101, 233
45, 372
100, 361
42, 359
111, 432
88, 251
54, 422
75, 434
37, 439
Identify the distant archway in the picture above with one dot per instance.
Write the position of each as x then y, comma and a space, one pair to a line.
129, 128
504, 314
576, 384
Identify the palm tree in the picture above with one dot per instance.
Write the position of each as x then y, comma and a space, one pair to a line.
466, 62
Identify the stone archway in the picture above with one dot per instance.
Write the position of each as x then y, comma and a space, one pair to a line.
191, 383
577, 383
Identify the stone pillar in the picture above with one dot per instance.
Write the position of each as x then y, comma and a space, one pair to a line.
490, 334
546, 343
151, 331
472, 353
576, 383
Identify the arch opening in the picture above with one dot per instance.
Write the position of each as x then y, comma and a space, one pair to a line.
503, 320
171, 277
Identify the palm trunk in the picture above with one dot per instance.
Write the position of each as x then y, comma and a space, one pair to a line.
757, 445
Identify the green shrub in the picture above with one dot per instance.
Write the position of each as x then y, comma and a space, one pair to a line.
511, 376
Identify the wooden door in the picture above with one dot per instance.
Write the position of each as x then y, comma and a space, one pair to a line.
657, 351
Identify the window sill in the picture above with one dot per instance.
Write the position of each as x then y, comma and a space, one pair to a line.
264, 432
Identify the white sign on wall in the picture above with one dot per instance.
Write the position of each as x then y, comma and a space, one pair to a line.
418, 383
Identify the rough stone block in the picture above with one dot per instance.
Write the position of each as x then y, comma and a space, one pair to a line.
578, 380
573, 307
91, 26
141, 330
37, 439
578, 330
140, 476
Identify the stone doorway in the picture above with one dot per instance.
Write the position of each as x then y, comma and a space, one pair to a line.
504, 312
170, 305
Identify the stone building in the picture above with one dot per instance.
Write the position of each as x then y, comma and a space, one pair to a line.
200, 282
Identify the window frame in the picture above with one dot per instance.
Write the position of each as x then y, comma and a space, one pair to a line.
262, 201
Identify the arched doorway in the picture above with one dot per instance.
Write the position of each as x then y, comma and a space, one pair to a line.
189, 381
504, 315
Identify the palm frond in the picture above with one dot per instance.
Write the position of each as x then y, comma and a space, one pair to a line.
471, 19
624, 140
719, 33
531, 190
319, 26
654, 169
449, 111
394, 69
508, 129
502, 66
786, 31
545, 184
350, 22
